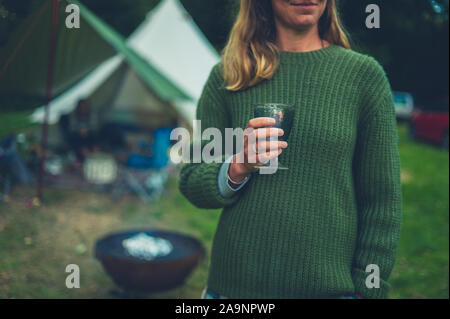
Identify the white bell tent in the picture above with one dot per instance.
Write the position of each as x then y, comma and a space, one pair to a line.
172, 44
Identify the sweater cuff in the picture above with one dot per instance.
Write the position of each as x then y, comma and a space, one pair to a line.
225, 189
359, 280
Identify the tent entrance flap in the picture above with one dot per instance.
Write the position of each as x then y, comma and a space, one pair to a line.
135, 103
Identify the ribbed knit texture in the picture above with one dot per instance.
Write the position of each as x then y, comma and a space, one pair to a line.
310, 231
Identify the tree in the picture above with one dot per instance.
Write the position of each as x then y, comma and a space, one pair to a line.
412, 42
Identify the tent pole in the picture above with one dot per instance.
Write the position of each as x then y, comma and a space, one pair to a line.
51, 63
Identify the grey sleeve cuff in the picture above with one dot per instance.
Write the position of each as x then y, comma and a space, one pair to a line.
224, 188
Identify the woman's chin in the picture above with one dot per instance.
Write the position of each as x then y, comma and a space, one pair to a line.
303, 23
303, 26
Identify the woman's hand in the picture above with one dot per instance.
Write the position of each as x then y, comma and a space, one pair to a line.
254, 142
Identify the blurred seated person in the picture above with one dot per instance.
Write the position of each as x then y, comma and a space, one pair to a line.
12, 168
79, 130
112, 136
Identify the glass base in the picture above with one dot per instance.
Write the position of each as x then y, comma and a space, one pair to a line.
279, 167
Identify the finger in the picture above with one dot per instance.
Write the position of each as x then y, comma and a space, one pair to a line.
261, 122
261, 133
258, 159
264, 146
261, 159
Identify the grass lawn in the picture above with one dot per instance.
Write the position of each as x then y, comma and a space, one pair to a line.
36, 244
421, 270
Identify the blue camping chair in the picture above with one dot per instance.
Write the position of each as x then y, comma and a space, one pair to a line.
145, 175
160, 147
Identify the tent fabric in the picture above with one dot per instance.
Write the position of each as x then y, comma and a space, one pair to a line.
65, 103
171, 41
135, 104
26, 76
154, 79
168, 40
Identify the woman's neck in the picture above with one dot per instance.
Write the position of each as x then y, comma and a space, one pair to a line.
299, 41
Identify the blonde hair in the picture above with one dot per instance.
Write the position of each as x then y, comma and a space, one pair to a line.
251, 54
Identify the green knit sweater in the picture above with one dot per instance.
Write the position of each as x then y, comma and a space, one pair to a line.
310, 231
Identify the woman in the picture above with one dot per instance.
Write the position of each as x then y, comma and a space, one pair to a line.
329, 226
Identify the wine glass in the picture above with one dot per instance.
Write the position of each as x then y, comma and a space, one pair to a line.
283, 115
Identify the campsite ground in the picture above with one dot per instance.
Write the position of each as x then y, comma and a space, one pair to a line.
36, 244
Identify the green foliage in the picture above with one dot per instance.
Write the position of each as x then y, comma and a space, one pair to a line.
14, 121
412, 43
123, 15
11, 14
214, 18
